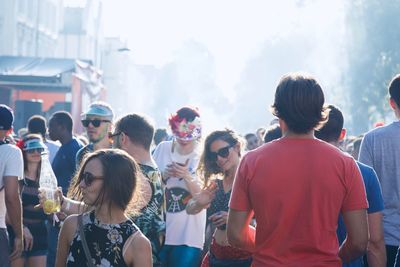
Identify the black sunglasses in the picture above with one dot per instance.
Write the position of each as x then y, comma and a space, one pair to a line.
222, 152
88, 178
112, 135
96, 123
38, 150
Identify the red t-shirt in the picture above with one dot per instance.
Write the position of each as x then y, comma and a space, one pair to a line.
297, 188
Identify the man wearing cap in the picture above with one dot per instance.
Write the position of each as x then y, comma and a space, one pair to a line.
98, 123
11, 170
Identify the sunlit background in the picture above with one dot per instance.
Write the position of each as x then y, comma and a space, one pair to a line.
225, 57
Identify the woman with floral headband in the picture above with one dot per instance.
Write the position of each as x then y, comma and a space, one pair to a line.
177, 160
34, 231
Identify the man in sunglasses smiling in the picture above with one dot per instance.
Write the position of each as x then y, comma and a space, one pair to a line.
97, 121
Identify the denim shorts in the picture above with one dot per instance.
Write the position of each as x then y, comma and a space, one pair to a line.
27, 253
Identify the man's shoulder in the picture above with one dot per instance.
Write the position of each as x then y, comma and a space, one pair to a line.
50, 143
161, 148
8, 150
74, 145
365, 168
85, 149
165, 145
384, 130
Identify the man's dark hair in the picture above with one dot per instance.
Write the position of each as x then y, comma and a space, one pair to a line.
138, 128
63, 118
159, 135
394, 89
274, 132
37, 125
188, 113
330, 132
250, 135
299, 101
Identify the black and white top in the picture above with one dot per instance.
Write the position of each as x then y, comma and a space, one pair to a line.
105, 242
220, 202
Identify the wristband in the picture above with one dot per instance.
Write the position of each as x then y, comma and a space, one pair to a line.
68, 206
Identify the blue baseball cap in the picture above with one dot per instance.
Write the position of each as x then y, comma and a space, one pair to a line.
100, 109
6, 117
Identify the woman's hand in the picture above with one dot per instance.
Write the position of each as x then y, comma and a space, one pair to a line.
28, 239
205, 196
219, 218
202, 199
42, 197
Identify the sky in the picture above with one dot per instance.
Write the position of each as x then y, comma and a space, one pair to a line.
235, 32
232, 30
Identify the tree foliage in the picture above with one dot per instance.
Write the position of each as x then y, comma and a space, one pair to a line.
373, 58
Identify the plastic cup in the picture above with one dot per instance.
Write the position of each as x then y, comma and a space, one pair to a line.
52, 201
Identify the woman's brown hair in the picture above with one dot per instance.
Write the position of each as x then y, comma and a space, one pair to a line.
120, 180
25, 139
208, 167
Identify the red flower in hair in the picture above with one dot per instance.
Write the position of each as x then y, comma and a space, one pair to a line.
20, 144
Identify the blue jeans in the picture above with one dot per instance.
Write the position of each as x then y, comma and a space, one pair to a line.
180, 256
397, 262
391, 252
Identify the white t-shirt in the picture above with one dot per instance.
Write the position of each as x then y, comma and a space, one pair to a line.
53, 148
11, 164
181, 228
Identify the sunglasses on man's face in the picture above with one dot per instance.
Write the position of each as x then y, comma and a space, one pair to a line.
222, 152
88, 178
112, 135
35, 150
96, 123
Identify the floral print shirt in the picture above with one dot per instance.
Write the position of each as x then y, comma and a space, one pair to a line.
105, 242
150, 220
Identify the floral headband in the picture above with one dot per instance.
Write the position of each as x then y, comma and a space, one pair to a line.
185, 130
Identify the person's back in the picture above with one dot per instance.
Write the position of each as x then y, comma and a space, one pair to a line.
305, 196
380, 149
375, 202
297, 186
333, 133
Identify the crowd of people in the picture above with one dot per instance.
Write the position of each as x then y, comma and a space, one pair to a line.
298, 193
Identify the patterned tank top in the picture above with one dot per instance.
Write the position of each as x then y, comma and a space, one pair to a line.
220, 202
105, 242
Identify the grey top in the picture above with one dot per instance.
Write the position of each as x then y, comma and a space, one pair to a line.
380, 149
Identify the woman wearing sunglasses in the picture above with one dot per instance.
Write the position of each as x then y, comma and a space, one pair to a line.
107, 184
218, 165
177, 161
34, 220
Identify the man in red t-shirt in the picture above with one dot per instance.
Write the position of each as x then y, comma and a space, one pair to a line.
297, 186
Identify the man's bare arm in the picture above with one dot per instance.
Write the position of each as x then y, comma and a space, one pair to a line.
14, 212
376, 253
240, 233
356, 241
